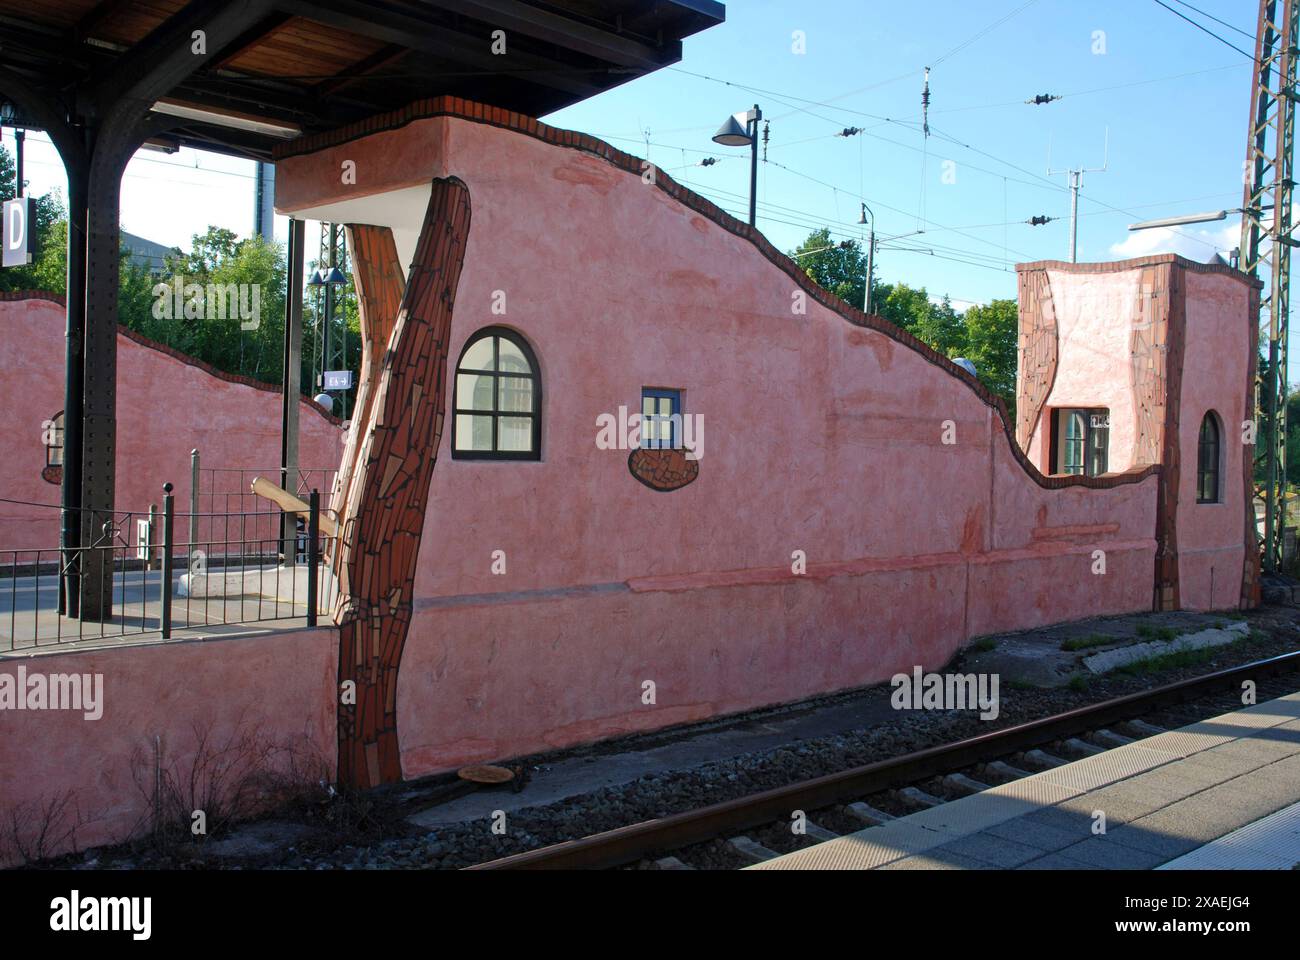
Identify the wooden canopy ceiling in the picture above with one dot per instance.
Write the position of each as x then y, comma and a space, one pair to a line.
305, 66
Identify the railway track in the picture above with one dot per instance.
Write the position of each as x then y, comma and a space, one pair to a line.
864, 795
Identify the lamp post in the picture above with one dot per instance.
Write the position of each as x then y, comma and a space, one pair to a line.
1184, 220
328, 278
871, 255
732, 134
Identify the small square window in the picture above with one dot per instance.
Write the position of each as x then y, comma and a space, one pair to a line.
661, 418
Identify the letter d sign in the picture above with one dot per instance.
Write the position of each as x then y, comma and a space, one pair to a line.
15, 232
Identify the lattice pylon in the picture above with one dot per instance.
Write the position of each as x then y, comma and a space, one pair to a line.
1266, 248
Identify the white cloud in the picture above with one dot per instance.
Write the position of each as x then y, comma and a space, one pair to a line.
1197, 243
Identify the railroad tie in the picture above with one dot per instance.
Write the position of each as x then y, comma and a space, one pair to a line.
751, 850
1041, 758
1108, 738
819, 833
960, 783
1006, 770
919, 798
1083, 747
1140, 728
672, 863
868, 814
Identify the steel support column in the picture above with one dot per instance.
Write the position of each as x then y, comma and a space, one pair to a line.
291, 385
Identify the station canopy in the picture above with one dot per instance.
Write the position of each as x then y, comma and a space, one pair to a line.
300, 67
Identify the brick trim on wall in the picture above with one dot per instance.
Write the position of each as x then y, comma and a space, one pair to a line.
1170, 304
13, 296
380, 546
1252, 566
1038, 354
1153, 260
459, 108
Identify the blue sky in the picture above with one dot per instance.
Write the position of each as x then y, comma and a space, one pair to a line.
1172, 100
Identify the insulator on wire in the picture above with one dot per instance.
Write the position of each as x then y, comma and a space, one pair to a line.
1039, 221
1043, 98
925, 104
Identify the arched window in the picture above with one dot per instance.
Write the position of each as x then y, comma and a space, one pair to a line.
497, 399
52, 437
1207, 460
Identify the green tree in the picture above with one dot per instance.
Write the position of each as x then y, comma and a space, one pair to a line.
840, 267
992, 334
985, 335
242, 273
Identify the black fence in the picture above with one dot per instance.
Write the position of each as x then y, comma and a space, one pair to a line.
164, 571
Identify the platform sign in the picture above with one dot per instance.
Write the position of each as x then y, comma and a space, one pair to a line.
338, 380
16, 236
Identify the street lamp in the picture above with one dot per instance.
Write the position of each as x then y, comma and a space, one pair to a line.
1210, 216
732, 134
1184, 220
871, 255
328, 279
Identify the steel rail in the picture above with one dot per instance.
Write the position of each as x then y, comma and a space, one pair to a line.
627, 844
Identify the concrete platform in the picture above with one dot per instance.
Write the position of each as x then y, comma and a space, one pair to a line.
1158, 800
286, 584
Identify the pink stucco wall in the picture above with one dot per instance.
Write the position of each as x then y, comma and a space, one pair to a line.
278, 688
1203, 315
166, 407
1210, 536
820, 436
1093, 314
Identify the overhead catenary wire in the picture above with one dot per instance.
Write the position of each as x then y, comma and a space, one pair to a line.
1211, 16
1205, 29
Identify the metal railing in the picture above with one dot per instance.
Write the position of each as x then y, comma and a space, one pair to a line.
235, 574
219, 494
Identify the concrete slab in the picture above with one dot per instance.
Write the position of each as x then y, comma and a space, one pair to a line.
1102, 853
1272, 843
949, 861
1024, 830
1057, 861
1036, 656
1105, 768
991, 807
994, 850
1108, 660
1121, 802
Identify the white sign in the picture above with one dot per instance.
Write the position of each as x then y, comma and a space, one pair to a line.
16, 218
143, 539
1101, 421
338, 380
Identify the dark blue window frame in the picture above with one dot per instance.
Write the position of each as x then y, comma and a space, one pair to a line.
656, 415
